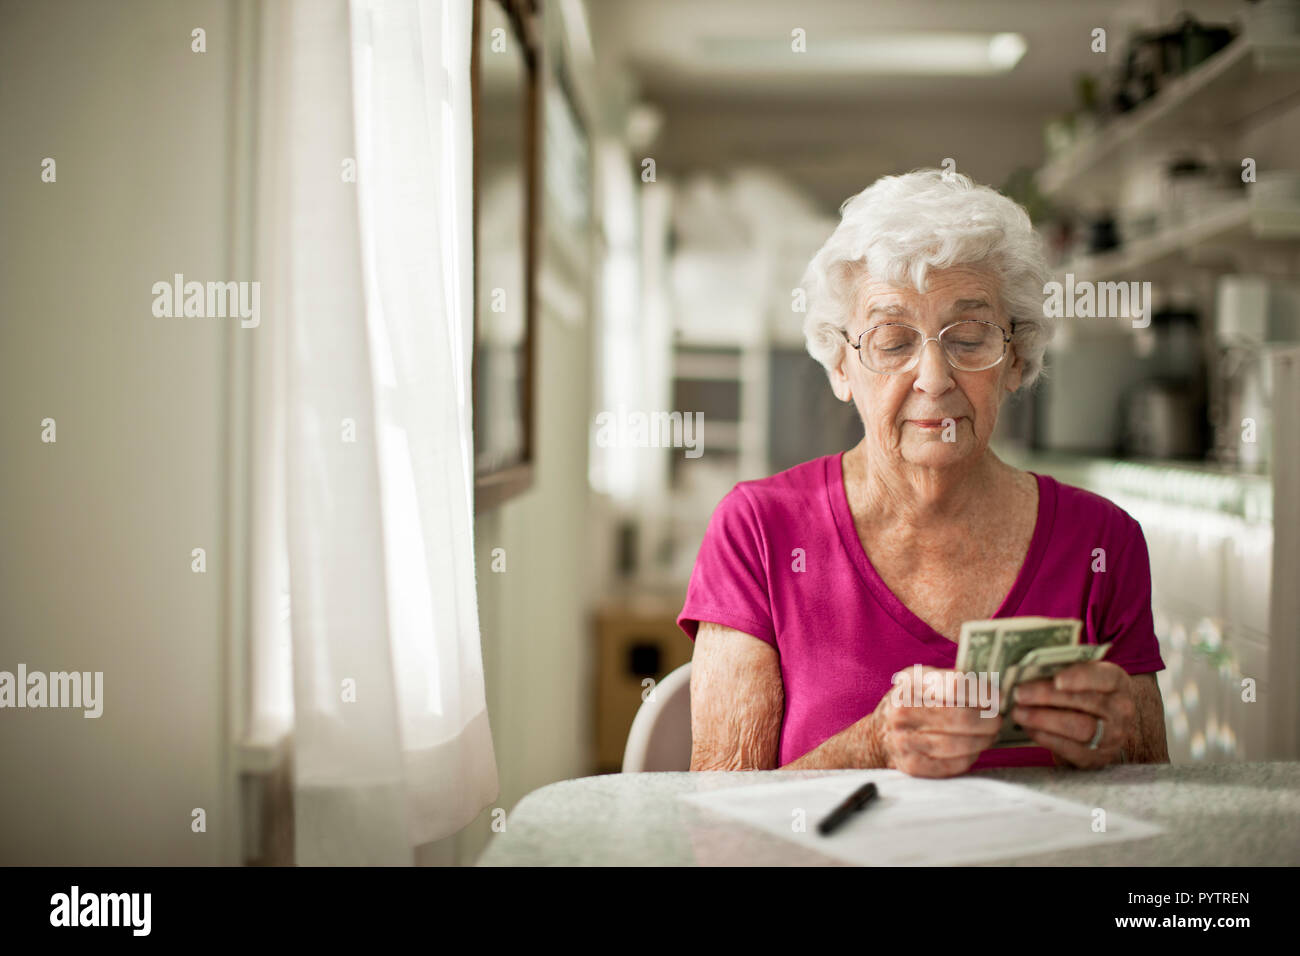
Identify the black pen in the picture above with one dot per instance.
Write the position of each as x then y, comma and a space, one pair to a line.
855, 802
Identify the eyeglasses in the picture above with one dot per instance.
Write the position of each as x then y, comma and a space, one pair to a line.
971, 345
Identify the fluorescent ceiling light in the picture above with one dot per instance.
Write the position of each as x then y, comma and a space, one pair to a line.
911, 52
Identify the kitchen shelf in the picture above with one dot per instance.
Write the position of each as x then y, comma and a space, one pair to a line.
1203, 485
1241, 80
1224, 228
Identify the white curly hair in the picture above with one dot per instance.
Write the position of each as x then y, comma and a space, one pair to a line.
899, 228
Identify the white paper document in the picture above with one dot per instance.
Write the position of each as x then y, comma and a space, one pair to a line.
921, 822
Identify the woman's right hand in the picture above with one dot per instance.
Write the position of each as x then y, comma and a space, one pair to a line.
930, 741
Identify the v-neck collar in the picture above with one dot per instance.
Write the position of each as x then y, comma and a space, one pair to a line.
839, 504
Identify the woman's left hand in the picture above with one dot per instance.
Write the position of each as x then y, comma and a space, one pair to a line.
1061, 714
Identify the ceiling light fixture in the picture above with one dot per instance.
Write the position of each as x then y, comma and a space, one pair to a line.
910, 52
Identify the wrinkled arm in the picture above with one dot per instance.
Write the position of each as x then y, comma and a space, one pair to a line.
1149, 744
737, 701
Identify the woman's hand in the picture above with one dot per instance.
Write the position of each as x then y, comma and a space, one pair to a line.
1061, 714
931, 741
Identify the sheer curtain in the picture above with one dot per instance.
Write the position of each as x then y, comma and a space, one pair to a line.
363, 468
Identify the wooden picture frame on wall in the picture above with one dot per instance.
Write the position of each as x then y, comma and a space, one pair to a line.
505, 83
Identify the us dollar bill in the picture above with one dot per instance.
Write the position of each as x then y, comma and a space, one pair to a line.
1016, 639
1044, 662
1039, 665
975, 644
1019, 649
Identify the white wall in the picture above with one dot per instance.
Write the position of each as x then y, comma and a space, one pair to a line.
96, 529
537, 642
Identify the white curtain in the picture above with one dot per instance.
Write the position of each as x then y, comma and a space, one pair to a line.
364, 424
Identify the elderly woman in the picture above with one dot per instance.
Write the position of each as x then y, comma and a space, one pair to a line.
815, 587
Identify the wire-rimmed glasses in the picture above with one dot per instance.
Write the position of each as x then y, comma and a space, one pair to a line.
971, 345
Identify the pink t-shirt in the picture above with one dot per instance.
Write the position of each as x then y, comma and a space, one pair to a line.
842, 634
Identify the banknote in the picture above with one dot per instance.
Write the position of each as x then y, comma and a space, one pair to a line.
974, 645
1021, 649
1018, 637
1044, 662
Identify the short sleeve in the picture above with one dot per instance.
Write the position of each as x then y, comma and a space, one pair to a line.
1126, 619
729, 584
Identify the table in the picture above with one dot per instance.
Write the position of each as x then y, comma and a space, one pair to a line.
1216, 814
